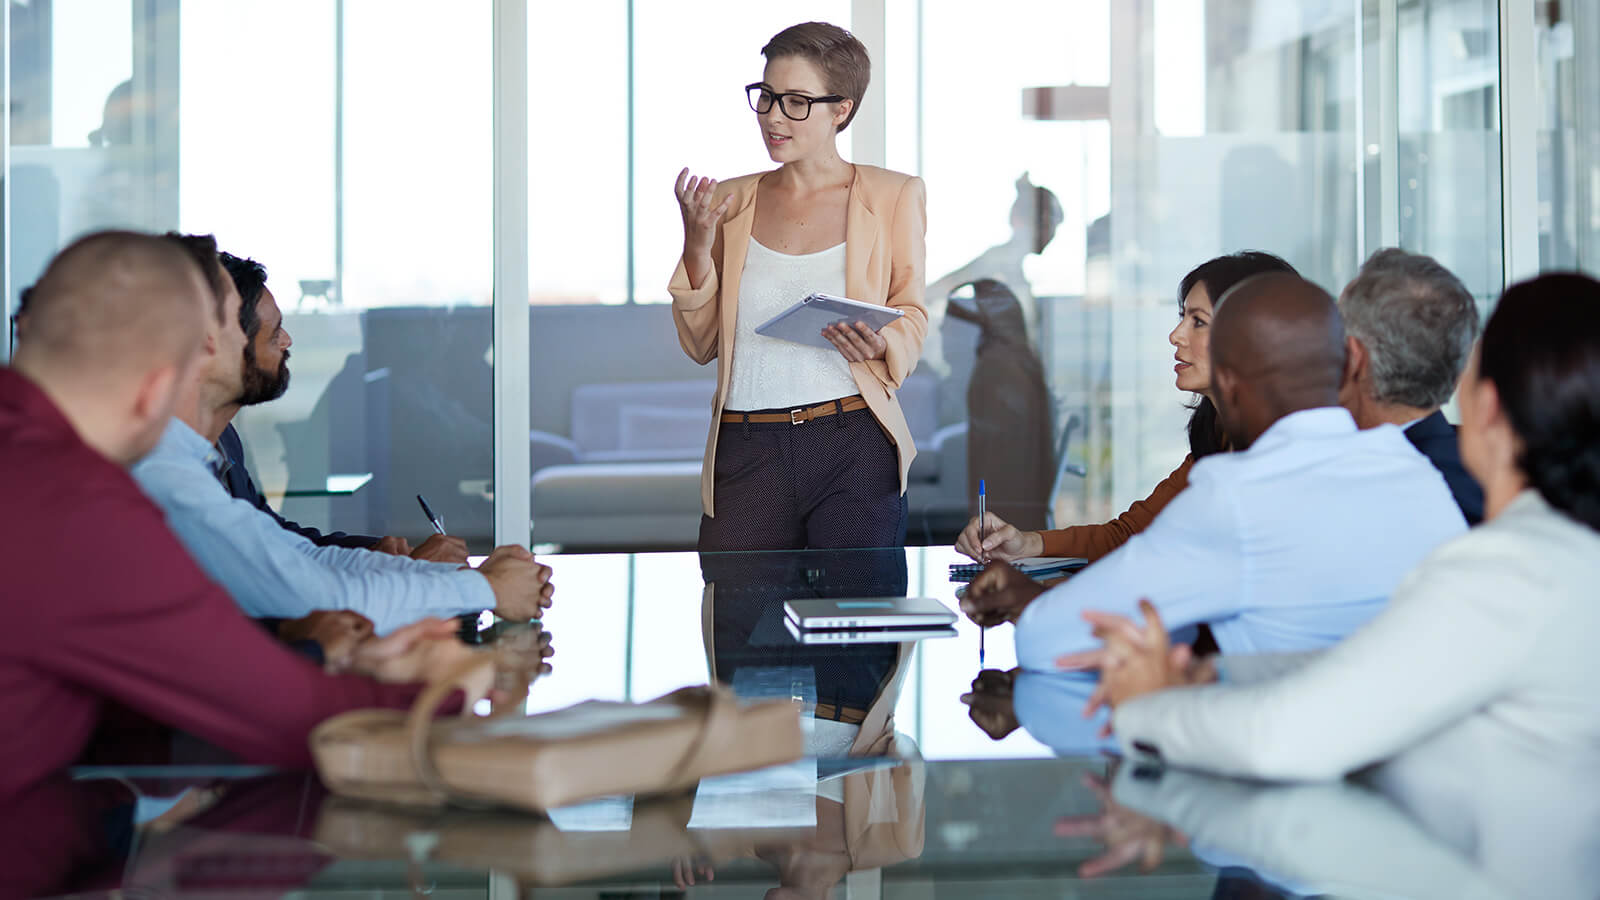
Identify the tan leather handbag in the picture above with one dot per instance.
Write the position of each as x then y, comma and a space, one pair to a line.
594, 749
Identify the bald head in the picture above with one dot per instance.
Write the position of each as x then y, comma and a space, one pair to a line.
115, 327
1277, 347
115, 303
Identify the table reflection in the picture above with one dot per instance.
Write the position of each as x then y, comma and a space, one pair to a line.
284, 832
1310, 839
863, 814
849, 690
1394, 830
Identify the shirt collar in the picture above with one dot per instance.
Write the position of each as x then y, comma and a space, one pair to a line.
1528, 500
222, 464
1324, 421
179, 440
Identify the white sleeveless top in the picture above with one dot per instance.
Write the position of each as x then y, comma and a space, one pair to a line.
769, 373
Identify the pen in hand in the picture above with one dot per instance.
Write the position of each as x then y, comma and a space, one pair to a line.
435, 521
981, 528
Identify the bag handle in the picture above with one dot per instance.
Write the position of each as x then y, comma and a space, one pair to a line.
719, 719
419, 722
717, 705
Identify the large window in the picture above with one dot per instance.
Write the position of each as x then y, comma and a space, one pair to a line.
1569, 135
306, 135
1446, 178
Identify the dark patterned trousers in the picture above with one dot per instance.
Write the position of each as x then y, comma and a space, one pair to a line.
830, 483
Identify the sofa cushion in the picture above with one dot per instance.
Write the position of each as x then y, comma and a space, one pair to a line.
664, 430
617, 489
601, 413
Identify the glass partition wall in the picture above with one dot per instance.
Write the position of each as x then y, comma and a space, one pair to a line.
1080, 157
1568, 36
305, 135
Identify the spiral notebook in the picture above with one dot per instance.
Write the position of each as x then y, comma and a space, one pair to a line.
1037, 567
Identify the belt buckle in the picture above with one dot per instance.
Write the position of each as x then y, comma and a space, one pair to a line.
794, 416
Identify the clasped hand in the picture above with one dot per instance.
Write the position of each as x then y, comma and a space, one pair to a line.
522, 587
991, 704
1134, 660
1128, 836
427, 650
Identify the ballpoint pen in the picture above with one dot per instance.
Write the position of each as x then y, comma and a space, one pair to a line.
470, 622
982, 526
435, 521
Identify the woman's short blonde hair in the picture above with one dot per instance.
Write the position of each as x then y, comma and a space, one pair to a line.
842, 58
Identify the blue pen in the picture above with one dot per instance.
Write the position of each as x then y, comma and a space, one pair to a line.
982, 525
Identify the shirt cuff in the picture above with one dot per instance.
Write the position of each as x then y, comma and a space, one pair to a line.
473, 588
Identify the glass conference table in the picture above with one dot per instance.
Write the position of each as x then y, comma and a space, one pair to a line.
999, 789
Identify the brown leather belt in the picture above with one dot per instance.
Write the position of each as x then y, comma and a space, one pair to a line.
798, 416
846, 714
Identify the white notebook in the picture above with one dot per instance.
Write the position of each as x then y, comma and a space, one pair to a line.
804, 321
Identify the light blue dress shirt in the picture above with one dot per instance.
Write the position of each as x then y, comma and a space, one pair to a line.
274, 573
1289, 545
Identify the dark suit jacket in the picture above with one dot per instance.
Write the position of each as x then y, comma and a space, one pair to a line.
240, 486
1435, 437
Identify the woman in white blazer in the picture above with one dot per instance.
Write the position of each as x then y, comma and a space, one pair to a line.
1484, 663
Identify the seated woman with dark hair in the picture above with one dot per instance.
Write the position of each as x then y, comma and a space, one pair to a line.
1480, 673
1197, 296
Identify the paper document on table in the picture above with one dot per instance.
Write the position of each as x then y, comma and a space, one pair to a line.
605, 814
777, 797
803, 322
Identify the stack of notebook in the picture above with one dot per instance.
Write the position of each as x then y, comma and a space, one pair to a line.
867, 620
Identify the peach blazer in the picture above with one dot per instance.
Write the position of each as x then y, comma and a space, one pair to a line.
884, 263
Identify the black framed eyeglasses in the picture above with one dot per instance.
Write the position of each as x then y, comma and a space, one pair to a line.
796, 106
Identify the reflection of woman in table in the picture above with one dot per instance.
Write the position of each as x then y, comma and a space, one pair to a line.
747, 643
865, 819
809, 446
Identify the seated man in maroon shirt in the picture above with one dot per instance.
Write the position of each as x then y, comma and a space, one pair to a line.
116, 326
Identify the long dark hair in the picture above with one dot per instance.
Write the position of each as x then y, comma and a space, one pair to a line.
1218, 276
1541, 349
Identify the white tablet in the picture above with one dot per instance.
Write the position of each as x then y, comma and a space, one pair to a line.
868, 612
804, 321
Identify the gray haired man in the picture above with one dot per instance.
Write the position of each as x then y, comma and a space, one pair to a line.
1410, 326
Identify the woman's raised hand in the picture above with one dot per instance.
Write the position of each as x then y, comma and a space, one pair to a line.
700, 218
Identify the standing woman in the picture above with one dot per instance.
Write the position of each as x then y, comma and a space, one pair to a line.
808, 446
